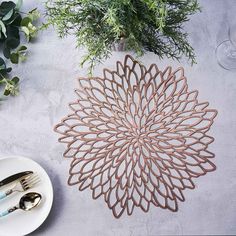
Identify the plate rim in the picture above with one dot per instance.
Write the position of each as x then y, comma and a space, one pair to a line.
51, 186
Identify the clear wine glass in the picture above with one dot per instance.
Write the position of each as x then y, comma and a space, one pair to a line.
226, 50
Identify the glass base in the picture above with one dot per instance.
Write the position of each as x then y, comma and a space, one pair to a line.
226, 55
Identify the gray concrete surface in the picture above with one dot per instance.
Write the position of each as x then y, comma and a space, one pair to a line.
48, 80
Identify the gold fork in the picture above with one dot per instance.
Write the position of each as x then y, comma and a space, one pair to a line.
23, 185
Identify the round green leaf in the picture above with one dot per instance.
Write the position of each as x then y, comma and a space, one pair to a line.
8, 70
12, 31
12, 43
8, 15
6, 52
22, 48
25, 21
15, 80
16, 19
6, 92
5, 7
2, 63
14, 57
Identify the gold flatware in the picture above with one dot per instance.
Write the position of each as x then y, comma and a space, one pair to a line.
26, 203
23, 185
17, 176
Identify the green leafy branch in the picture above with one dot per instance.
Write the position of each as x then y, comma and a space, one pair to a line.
11, 24
145, 25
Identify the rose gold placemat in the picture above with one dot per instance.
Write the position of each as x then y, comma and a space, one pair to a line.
137, 137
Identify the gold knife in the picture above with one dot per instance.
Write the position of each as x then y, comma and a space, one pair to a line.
14, 177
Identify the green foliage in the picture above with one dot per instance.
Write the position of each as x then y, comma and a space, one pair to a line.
11, 24
146, 25
11, 85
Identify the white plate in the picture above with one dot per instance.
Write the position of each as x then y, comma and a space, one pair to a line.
22, 223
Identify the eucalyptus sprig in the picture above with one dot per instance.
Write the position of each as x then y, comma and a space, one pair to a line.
145, 25
12, 22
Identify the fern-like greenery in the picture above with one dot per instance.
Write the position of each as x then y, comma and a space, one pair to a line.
145, 25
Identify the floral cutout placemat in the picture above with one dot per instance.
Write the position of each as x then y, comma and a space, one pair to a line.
137, 137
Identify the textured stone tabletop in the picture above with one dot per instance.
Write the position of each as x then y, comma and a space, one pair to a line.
48, 80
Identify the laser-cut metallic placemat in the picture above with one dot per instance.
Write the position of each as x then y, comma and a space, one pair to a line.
137, 137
